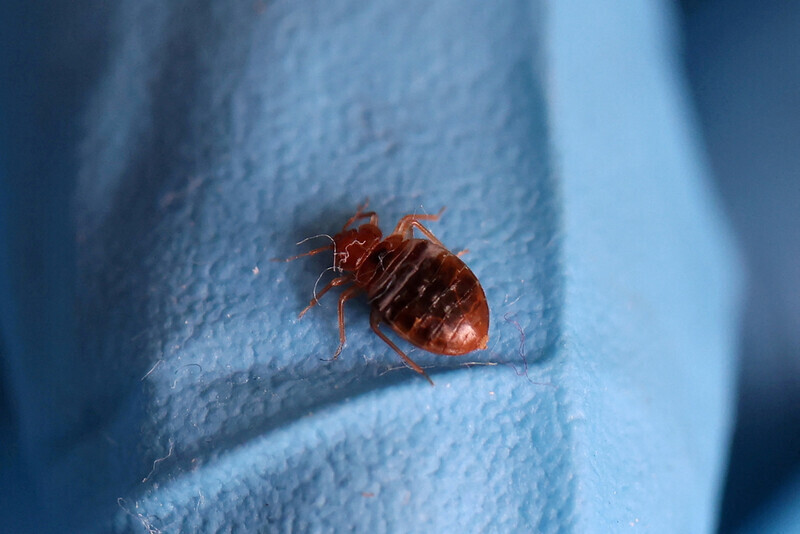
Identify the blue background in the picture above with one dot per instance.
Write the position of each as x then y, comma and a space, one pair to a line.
744, 66
155, 157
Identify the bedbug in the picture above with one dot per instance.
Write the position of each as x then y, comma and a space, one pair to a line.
417, 287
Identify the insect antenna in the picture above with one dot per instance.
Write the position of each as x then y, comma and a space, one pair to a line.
309, 253
332, 246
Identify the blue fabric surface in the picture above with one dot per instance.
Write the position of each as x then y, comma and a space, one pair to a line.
191, 399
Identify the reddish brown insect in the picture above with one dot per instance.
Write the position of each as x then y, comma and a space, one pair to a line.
424, 292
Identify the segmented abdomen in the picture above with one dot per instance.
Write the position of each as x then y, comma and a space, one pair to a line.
429, 297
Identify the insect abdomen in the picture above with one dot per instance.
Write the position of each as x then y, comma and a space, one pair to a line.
430, 298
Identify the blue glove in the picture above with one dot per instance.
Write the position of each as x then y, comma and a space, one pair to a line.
193, 400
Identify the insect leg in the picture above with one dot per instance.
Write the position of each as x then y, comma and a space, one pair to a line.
374, 321
333, 283
406, 225
373, 217
348, 294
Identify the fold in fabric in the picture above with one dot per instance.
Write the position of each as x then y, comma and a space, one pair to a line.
217, 136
